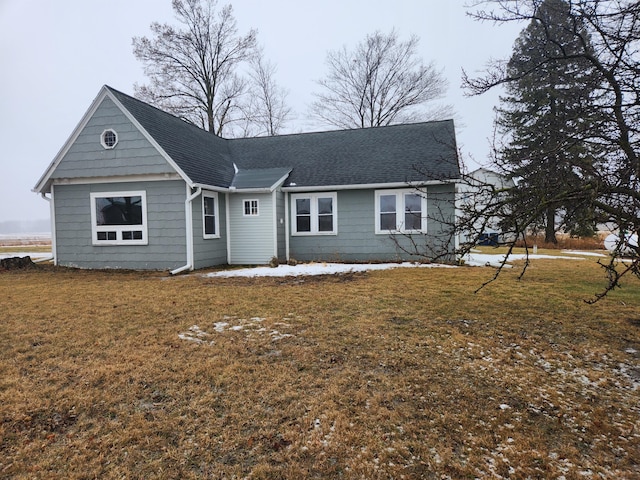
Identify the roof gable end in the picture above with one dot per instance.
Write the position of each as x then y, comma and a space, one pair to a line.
44, 183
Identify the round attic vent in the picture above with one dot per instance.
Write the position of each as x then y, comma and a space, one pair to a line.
109, 138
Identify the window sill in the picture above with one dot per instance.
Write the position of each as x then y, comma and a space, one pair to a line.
119, 243
401, 232
313, 234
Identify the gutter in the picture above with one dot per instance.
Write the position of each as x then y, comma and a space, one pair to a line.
188, 210
367, 186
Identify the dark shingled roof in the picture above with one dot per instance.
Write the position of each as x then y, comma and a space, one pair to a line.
394, 154
202, 156
259, 177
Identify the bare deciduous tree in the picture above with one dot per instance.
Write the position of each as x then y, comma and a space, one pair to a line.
380, 82
267, 111
193, 71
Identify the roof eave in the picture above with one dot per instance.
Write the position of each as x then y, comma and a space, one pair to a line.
211, 188
367, 186
250, 190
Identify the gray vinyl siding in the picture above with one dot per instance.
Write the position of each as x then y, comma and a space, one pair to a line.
132, 155
208, 252
357, 241
251, 238
166, 248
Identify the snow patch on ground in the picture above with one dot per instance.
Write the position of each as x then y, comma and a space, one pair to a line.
474, 259
195, 334
495, 260
318, 269
249, 326
584, 254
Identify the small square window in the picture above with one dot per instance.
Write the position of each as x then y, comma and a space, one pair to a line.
250, 208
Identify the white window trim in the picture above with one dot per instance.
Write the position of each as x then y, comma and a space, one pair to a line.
244, 210
216, 214
95, 228
400, 211
102, 142
314, 213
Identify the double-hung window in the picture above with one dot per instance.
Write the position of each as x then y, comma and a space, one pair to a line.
210, 222
119, 218
314, 214
401, 211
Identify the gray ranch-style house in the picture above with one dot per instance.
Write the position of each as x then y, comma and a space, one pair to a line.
137, 188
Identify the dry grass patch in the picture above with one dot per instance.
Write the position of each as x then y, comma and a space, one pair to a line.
395, 374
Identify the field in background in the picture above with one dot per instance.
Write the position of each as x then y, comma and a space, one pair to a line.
394, 374
567, 242
40, 240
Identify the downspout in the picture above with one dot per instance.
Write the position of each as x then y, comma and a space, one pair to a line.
286, 225
275, 223
457, 200
53, 229
227, 199
188, 210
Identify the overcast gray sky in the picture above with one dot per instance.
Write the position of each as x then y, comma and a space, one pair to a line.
55, 56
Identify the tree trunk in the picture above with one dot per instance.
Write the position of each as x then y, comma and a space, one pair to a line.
550, 227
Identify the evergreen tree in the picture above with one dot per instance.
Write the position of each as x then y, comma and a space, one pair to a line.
594, 47
542, 118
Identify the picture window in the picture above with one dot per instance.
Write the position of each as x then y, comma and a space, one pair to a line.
119, 218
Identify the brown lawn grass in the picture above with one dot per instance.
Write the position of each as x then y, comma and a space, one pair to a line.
396, 374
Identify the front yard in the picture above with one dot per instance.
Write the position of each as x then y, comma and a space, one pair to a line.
403, 373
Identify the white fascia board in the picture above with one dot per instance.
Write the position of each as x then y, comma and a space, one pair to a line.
280, 181
211, 188
250, 190
43, 185
366, 186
